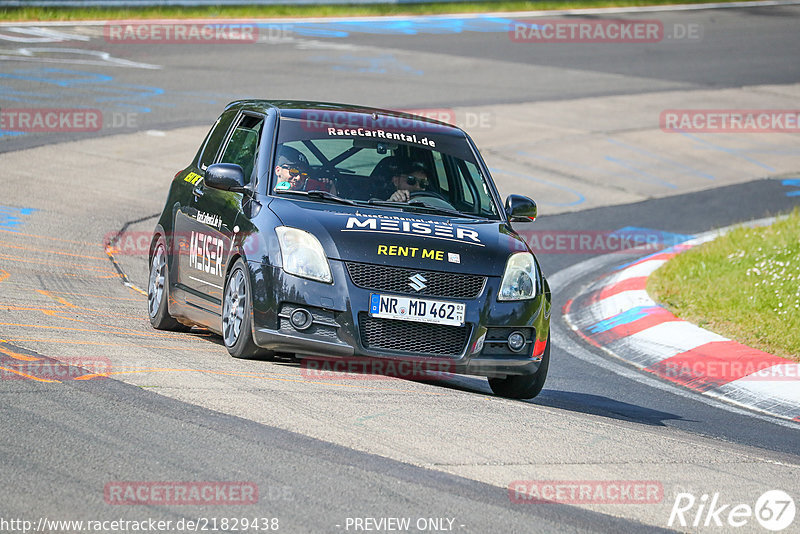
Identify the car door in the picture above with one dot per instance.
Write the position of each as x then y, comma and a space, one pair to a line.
209, 222
186, 213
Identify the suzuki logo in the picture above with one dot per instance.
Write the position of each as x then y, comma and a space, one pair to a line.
417, 282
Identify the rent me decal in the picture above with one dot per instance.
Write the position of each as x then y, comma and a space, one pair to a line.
417, 252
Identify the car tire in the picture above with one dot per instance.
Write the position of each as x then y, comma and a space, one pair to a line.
237, 306
158, 291
523, 386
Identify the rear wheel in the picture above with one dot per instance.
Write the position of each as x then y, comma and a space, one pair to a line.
237, 329
158, 291
523, 386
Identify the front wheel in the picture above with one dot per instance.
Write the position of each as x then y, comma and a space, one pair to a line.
523, 386
237, 329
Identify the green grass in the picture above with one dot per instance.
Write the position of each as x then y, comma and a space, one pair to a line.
744, 285
337, 10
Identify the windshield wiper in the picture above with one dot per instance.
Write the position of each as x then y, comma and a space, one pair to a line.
377, 202
317, 193
444, 211
416, 205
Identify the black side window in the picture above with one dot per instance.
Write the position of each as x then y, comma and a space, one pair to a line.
243, 145
215, 138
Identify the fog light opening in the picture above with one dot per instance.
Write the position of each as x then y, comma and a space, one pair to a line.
516, 341
300, 319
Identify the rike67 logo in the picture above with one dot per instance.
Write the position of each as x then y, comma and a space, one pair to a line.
774, 510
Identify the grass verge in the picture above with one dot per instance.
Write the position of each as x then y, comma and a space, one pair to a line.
16, 14
744, 285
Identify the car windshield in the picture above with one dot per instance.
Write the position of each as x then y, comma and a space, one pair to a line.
408, 164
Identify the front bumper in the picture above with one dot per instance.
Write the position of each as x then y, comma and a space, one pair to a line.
342, 328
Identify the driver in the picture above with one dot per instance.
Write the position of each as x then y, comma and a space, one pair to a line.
410, 179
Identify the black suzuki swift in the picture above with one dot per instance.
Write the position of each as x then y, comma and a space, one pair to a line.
334, 231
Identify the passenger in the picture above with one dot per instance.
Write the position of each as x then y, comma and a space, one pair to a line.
292, 171
289, 166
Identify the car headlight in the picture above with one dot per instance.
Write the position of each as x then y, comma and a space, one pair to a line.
303, 254
519, 278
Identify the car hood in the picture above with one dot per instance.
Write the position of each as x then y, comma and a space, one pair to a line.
403, 238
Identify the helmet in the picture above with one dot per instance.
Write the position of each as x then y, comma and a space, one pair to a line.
291, 156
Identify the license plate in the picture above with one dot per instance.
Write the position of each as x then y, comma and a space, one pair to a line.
419, 310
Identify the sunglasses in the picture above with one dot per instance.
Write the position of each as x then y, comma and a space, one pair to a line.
413, 180
293, 171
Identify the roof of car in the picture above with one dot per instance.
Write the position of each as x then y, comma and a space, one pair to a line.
300, 109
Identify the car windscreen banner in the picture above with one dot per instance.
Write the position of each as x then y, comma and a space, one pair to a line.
383, 133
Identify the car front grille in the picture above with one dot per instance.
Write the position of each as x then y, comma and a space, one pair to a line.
397, 280
412, 337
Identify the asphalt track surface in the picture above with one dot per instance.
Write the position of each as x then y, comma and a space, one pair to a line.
177, 408
428, 64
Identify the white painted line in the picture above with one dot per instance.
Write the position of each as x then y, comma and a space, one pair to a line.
645, 268
782, 372
491, 14
646, 9
36, 34
772, 396
207, 283
785, 390
669, 339
71, 56
616, 304
704, 238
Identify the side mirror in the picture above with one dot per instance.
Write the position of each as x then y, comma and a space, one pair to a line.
225, 176
520, 209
